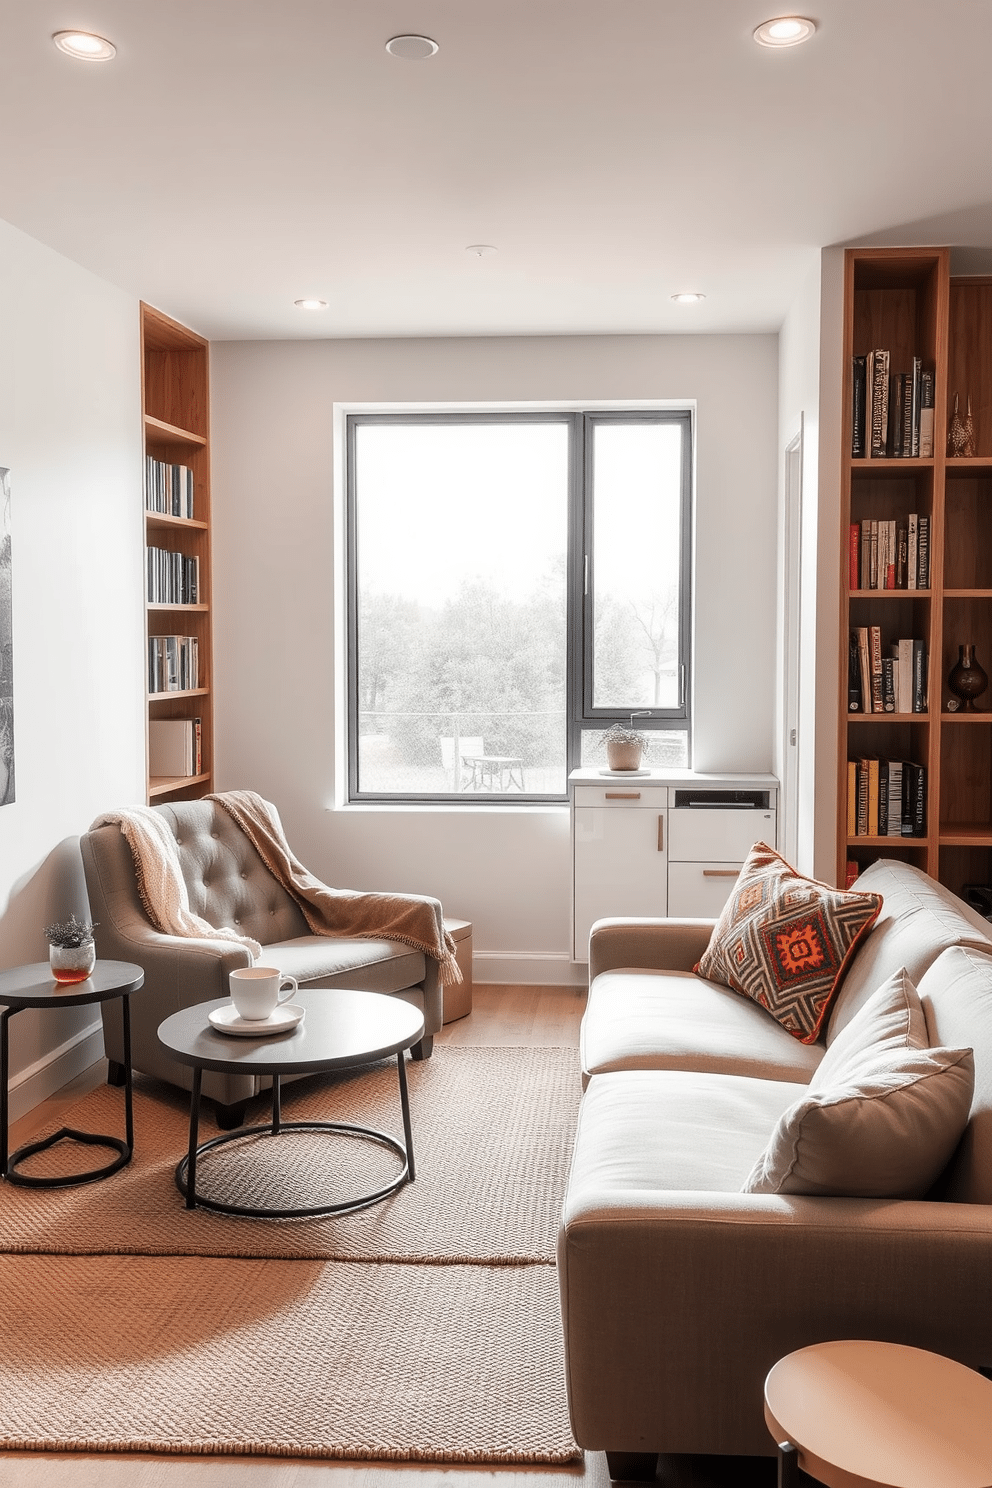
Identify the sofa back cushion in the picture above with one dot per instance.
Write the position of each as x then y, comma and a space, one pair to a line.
227, 882
891, 1020
956, 994
919, 920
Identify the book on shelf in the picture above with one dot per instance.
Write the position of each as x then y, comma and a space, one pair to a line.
173, 663
174, 747
877, 388
173, 578
855, 699
914, 407
875, 654
919, 677
886, 798
902, 556
168, 488
926, 415
864, 667
854, 556
923, 553
889, 554
859, 448
852, 872
891, 411
888, 685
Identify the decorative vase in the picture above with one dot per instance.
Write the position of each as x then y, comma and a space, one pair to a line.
961, 433
623, 754
967, 680
72, 963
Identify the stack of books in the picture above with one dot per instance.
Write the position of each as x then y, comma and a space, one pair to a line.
891, 412
175, 747
168, 488
890, 554
886, 798
173, 578
173, 663
895, 682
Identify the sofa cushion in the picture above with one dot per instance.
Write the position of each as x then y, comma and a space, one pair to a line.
919, 919
885, 1129
785, 941
956, 994
892, 1018
658, 1130
660, 1020
364, 965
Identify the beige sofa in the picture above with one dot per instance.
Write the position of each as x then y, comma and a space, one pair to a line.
228, 885
678, 1290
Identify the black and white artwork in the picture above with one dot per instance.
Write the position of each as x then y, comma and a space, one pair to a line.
6, 648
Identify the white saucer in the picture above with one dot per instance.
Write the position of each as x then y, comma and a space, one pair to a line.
228, 1020
624, 774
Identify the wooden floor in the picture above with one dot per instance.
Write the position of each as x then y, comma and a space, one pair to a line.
500, 1015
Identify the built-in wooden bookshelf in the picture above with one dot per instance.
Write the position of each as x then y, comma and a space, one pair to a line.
176, 414
906, 301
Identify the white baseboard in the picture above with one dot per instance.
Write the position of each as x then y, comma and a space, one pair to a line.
30, 1086
523, 970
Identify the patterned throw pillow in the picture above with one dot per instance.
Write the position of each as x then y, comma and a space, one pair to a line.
786, 941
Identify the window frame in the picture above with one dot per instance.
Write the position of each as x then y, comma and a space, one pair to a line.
580, 714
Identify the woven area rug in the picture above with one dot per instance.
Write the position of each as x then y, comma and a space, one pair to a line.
424, 1329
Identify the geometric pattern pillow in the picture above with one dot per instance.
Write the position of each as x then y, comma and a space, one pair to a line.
786, 941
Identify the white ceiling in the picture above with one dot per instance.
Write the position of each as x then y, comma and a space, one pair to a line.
239, 154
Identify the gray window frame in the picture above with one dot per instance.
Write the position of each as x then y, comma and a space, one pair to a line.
581, 715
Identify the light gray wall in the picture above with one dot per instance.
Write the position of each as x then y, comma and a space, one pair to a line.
70, 430
276, 633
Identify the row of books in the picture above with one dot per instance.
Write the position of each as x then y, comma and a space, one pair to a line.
890, 554
886, 798
891, 412
175, 747
173, 578
173, 663
894, 682
168, 488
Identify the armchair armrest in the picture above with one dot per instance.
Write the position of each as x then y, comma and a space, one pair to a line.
676, 1305
663, 945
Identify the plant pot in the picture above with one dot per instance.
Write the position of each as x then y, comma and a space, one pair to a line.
72, 963
624, 755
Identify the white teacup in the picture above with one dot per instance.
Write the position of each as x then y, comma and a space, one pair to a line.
257, 991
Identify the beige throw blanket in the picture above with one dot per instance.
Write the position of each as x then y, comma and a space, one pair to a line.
412, 919
160, 880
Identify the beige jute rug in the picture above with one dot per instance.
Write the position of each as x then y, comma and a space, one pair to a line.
425, 1329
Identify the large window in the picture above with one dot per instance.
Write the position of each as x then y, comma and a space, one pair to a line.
516, 582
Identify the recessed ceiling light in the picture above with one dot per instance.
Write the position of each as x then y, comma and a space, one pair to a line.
479, 249
411, 48
688, 297
310, 304
85, 46
785, 31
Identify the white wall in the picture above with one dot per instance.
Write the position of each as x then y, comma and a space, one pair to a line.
506, 869
70, 432
799, 408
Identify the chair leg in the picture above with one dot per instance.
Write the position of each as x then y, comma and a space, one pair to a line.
229, 1117
116, 1074
632, 1467
423, 1049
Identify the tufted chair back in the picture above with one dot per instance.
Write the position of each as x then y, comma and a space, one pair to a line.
227, 882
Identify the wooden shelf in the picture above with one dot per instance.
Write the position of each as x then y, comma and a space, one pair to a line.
165, 785
158, 431
952, 835
888, 466
954, 718
890, 594
888, 717
177, 524
175, 407
886, 842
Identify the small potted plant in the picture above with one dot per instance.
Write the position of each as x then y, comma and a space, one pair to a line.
71, 949
625, 746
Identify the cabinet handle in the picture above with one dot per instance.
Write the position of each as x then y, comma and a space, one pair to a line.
721, 872
623, 795
661, 834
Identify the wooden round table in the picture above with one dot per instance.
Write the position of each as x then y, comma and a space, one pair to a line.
856, 1414
342, 1029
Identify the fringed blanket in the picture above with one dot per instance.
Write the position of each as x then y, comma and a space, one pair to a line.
411, 919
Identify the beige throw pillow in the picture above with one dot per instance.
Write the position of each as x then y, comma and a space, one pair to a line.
886, 1130
892, 1018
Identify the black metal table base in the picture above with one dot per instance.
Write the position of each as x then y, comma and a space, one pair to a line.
124, 1148
186, 1169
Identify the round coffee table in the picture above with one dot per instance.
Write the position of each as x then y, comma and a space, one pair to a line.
34, 987
341, 1030
856, 1413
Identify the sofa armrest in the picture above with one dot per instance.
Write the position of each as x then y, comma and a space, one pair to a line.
676, 1305
662, 945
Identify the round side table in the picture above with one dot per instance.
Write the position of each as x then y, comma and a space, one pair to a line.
34, 987
856, 1414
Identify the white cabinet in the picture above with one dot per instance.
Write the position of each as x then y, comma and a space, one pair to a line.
662, 844
620, 855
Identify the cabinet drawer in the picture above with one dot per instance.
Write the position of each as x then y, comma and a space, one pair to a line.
623, 794
700, 890
717, 836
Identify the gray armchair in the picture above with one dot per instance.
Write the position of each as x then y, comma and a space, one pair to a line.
228, 885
